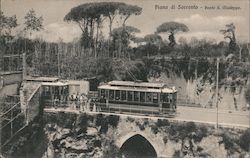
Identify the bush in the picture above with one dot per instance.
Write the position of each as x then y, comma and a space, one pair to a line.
154, 129
244, 140
130, 119
165, 139
141, 126
65, 120
190, 127
113, 120
162, 122
177, 154
97, 143
99, 119
104, 122
201, 133
228, 142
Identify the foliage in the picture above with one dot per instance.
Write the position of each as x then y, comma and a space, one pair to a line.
33, 23
177, 154
162, 123
172, 28
130, 119
7, 24
244, 140
152, 38
140, 125
229, 143
229, 33
247, 95
113, 120
111, 150
154, 129
91, 15
122, 37
105, 121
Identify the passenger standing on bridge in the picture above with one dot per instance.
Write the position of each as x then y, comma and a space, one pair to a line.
74, 101
81, 102
77, 101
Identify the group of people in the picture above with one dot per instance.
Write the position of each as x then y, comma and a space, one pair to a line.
78, 101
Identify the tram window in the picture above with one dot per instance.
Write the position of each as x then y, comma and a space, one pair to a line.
148, 97
130, 96
170, 96
111, 94
136, 96
165, 98
124, 95
142, 96
46, 91
56, 91
117, 95
106, 93
102, 93
65, 90
155, 98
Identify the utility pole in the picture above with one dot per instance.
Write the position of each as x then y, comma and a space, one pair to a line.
24, 66
58, 59
217, 91
0, 105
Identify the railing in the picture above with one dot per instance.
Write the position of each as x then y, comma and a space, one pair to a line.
132, 109
12, 121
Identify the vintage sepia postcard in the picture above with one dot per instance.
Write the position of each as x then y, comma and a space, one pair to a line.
124, 78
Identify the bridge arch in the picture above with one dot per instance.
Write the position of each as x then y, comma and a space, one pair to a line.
123, 139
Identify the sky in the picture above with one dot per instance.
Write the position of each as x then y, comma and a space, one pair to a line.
203, 19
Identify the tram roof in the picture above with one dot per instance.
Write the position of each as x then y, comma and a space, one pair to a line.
42, 79
54, 84
140, 89
136, 84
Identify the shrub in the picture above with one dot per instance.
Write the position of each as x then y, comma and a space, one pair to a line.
130, 119
165, 139
97, 143
190, 127
177, 154
201, 133
99, 119
244, 140
228, 142
141, 126
104, 122
162, 122
113, 120
65, 120
154, 129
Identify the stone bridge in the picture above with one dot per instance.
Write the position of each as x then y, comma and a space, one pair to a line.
128, 128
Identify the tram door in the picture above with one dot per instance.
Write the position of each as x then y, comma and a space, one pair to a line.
165, 101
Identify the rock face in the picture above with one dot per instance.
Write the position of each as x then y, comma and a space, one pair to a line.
102, 136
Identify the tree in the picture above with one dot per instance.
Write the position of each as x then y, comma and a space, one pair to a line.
89, 15
122, 37
172, 28
32, 22
229, 33
127, 10
182, 41
153, 39
7, 24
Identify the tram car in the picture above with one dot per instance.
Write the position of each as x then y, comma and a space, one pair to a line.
55, 94
137, 97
